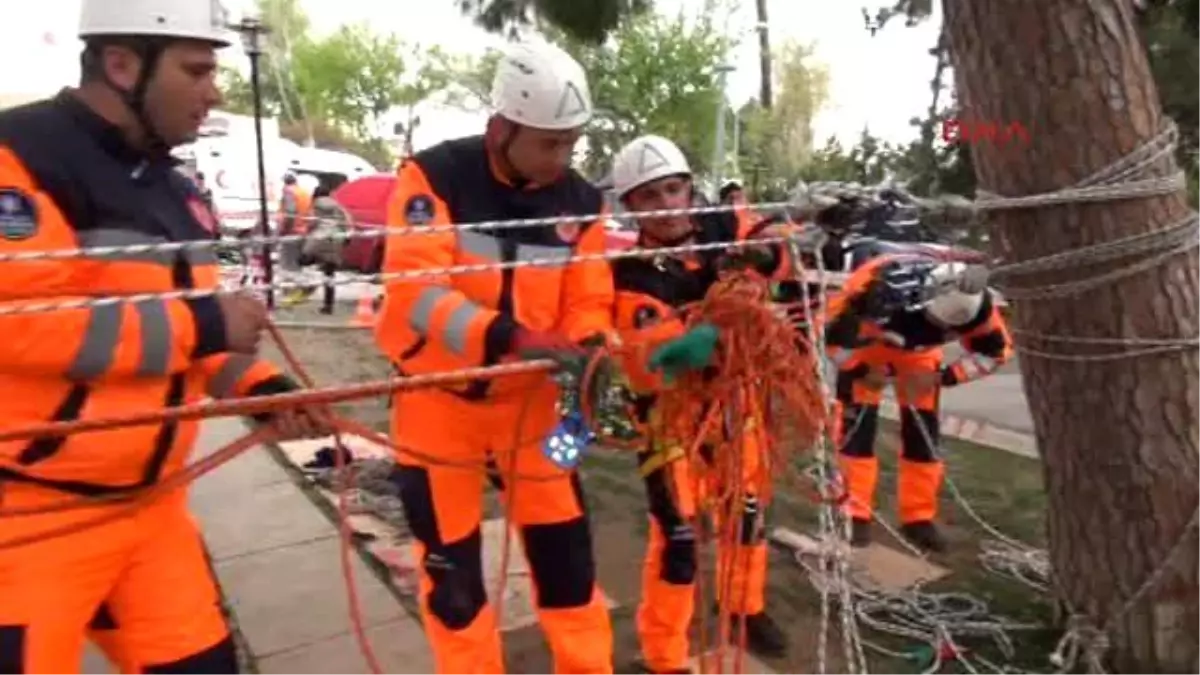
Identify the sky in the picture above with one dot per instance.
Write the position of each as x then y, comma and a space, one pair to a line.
876, 82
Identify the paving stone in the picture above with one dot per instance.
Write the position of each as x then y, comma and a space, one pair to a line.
887, 569
263, 518
518, 609
251, 469
399, 646
288, 597
248, 471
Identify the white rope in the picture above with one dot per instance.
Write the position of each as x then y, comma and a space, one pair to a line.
371, 232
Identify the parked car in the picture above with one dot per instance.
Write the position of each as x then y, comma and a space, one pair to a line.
365, 199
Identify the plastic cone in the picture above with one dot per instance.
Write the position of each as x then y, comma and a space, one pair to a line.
364, 313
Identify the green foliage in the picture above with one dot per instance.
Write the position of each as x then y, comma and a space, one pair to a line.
471, 79
333, 89
657, 75
585, 21
777, 142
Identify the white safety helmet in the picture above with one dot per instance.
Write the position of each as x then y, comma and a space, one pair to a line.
647, 159
204, 20
951, 304
539, 85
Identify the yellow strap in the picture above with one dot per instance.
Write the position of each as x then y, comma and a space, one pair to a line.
660, 456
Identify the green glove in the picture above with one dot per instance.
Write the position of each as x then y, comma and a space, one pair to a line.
691, 351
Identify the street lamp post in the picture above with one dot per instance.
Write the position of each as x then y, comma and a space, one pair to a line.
252, 31
719, 144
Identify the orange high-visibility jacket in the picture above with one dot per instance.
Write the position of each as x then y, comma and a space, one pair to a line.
295, 205
67, 181
442, 320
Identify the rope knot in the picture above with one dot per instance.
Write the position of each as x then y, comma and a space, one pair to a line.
1082, 639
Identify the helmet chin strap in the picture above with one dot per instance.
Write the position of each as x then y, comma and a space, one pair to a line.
151, 54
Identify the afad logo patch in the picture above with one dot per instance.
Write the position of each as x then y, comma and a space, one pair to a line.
203, 215
18, 215
419, 210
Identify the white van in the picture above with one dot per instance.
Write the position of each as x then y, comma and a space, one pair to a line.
227, 155
330, 168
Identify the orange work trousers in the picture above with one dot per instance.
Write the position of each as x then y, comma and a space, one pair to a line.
442, 495
669, 569
139, 586
920, 471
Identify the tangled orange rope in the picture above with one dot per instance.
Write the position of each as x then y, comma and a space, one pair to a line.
741, 425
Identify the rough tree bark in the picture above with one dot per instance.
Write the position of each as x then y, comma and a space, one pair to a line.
1118, 437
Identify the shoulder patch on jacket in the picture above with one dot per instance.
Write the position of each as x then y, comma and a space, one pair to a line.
645, 316
419, 210
18, 215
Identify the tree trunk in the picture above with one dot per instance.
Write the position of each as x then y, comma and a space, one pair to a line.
766, 97
1118, 437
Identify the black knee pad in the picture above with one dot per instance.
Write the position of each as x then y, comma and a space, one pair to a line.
456, 570
752, 521
860, 424
919, 435
13, 643
678, 563
218, 659
561, 563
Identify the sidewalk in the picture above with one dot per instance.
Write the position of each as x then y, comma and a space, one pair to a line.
976, 431
276, 557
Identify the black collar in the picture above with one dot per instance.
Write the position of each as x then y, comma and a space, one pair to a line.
107, 134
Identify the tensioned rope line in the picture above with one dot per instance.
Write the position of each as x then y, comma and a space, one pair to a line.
424, 273
374, 231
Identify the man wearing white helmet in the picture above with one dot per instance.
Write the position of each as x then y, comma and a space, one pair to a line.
890, 323
652, 174
90, 167
518, 169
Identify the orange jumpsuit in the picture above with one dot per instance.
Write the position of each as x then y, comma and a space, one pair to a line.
649, 293
67, 181
295, 207
442, 322
905, 345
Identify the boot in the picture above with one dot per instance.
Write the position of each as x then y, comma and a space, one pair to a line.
924, 535
763, 636
860, 532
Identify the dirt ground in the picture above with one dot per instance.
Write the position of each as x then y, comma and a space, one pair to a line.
1004, 489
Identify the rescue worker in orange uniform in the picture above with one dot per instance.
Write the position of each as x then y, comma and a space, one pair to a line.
652, 174
519, 168
90, 167
295, 210
890, 324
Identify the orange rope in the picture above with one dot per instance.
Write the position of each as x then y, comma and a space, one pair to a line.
762, 380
